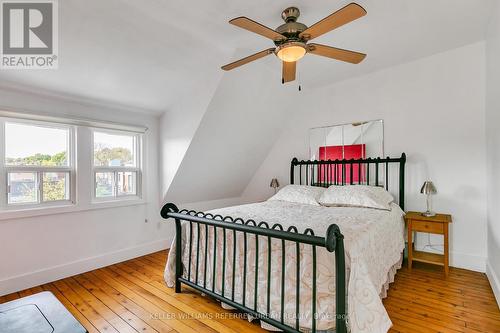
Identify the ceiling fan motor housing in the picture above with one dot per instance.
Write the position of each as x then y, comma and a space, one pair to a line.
291, 29
290, 14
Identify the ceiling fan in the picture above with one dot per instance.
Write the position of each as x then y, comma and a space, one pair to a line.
291, 39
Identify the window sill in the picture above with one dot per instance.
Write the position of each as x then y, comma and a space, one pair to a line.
12, 213
110, 203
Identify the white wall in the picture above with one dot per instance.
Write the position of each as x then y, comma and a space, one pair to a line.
179, 124
433, 109
493, 146
35, 250
241, 123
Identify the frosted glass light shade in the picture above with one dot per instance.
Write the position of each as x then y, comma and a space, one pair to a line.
291, 53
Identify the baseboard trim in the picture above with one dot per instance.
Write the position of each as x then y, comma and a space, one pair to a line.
461, 260
467, 261
29, 280
494, 281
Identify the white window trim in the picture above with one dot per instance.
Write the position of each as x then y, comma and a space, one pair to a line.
11, 214
138, 142
80, 122
82, 168
5, 170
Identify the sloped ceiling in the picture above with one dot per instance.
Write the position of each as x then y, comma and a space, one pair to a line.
163, 57
239, 127
149, 54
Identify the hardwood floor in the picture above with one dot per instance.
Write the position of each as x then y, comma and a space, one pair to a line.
131, 297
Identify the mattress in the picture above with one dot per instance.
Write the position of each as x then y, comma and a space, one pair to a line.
374, 241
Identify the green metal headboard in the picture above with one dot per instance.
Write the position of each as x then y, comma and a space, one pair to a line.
349, 172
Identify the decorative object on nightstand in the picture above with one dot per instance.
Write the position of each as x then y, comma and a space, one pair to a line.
428, 189
437, 224
274, 184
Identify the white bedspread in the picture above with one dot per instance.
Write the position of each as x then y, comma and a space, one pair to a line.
374, 241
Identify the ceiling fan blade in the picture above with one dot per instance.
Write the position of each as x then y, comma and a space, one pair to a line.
289, 69
250, 25
336, 53
248, 59
342, 16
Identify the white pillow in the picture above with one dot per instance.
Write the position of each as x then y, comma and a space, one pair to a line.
299, 194
356, 196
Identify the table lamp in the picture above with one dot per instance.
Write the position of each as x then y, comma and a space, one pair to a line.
428, 189
274, 184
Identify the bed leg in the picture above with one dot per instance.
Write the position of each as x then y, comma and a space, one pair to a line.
341, 306
335, 243
178, 255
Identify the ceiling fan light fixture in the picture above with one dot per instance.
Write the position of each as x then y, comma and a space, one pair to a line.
291, 51
292, 39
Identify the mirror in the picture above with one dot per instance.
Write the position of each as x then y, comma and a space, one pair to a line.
359, 140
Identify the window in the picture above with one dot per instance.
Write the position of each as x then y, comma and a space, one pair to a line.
40, 164
37, 163
116, 162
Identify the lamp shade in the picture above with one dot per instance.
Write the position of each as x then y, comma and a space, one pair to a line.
428, 188
291, 51
274, 183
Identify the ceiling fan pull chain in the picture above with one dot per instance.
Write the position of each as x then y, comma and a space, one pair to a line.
298, 80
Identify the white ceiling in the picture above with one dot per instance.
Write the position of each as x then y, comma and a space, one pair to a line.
148, 54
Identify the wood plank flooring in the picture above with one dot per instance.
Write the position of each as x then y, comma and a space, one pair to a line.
131, 297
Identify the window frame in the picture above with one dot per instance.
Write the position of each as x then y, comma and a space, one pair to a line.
70, 168
138, 168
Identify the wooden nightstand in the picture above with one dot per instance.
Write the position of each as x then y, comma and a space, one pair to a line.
434, 225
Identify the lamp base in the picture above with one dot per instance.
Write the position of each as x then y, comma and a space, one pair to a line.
428, 214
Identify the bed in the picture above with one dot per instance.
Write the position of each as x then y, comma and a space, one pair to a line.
292, 271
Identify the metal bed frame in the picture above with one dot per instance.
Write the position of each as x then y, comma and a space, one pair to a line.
315, 173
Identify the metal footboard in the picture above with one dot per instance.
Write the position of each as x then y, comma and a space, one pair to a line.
262, 232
